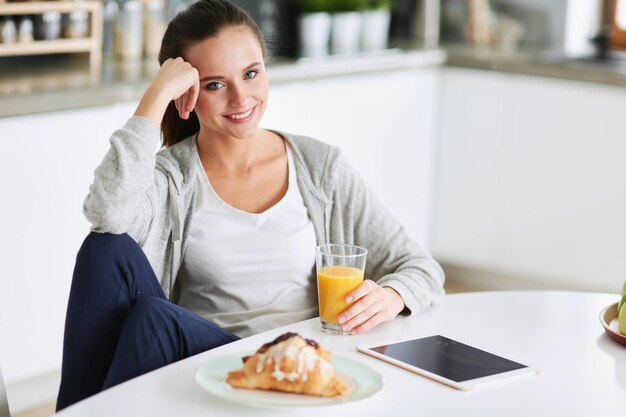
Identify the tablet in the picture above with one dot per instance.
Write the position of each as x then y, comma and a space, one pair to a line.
447, 361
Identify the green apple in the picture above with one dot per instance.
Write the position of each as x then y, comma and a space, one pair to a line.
622, 320
621, 303
624, 289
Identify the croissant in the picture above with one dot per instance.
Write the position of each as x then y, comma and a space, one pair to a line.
289, 363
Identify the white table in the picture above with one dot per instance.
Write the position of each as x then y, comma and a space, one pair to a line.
583, 371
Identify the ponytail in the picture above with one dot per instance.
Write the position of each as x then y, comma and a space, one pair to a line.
176, 129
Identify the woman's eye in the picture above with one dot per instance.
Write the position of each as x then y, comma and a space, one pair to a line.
214, 85
250, 74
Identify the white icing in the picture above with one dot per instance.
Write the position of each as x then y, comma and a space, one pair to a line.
300, 353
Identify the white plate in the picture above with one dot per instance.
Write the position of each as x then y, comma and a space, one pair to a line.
362, 381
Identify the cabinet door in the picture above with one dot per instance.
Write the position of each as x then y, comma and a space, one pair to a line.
47, 167
565, 200
384, 123
531, 181
469, 183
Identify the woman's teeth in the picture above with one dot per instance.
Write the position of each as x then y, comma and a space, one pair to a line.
240, 116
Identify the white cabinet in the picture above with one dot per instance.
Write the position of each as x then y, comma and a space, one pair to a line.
565, 205
47, 166
532, 179
468, 183
385, 125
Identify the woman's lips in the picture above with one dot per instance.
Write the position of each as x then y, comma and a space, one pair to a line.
242, 117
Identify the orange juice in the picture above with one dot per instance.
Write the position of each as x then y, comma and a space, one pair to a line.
334, 283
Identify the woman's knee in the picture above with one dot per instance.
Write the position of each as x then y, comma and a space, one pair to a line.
114, 265
99, 247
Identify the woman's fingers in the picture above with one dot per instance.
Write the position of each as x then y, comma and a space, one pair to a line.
374, 305
369, 308
181, 79
188, 100
374, 321
362, 290
184, 113
362, 302
194, 92
175, 78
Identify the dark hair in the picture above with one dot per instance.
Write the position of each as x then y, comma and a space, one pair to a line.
202, 20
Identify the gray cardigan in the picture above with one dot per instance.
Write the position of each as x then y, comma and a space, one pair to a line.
155, 206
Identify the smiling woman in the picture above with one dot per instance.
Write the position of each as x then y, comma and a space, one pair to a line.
214, 237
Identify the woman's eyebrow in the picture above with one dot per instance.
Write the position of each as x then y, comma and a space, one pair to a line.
217, 77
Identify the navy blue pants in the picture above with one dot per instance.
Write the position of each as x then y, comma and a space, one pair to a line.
119, 323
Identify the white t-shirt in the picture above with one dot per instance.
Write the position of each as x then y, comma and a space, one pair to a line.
249, 272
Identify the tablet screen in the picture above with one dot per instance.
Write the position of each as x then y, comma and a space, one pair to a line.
448, 358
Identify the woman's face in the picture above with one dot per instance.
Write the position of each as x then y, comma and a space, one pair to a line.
233, 84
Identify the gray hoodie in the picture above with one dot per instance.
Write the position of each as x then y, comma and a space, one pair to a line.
151, 197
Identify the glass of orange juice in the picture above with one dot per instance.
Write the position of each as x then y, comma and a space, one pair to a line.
340, 270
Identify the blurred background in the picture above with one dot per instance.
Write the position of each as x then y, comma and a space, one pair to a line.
493, 129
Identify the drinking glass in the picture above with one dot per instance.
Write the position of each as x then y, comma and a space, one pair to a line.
340, 270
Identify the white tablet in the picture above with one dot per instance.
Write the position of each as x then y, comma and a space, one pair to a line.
447, 361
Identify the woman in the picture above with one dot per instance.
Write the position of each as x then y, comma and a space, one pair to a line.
212, 238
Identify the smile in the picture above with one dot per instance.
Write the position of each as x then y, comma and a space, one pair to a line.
241, 116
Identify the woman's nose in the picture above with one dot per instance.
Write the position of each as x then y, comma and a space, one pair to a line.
237, 95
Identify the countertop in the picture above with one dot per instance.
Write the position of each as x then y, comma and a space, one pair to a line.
36, 85
556, 333
539, 63
64, 83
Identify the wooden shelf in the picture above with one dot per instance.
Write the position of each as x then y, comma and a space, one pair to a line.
47, 47
37, 7
91, 44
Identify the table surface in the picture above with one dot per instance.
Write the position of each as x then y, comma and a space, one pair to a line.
583, 370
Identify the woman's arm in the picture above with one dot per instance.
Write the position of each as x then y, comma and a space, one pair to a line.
126, 193
400, 274
176, 80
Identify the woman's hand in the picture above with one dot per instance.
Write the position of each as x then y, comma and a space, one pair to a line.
176, 80
374, 305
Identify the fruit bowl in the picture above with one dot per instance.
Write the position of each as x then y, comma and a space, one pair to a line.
608, 318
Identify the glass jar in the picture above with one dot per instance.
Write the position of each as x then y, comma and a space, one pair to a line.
48, 26
8, 31
25, 29
76, 24
128, 30
109, 15
154, 25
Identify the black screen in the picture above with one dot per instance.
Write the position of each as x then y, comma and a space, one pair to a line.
448, 358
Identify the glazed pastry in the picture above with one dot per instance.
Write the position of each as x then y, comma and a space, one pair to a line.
289, 363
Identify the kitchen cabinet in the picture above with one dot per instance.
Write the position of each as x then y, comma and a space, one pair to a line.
468, 183
531, 182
